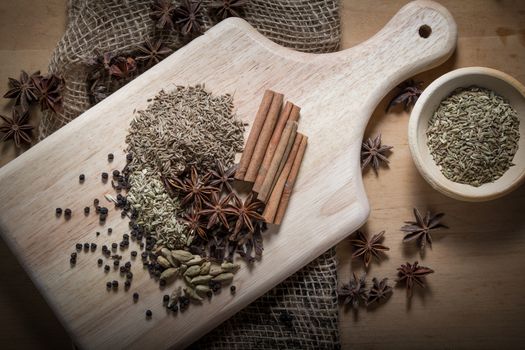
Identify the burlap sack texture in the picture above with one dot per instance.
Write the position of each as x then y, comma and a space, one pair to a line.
300, 313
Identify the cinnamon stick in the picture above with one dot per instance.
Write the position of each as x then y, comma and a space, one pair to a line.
290, 182
264, 138
257, 126
272, 146
281, 155
273, 203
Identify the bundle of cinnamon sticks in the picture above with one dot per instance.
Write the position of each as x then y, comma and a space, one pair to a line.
273, 154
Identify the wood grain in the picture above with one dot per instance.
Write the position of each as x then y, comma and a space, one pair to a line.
348, 85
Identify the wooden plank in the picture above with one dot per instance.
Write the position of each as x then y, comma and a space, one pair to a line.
337, 94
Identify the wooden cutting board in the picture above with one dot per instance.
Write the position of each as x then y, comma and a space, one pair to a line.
337, 93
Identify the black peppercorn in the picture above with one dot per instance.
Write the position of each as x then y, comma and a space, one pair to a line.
114, 245
93, 247
129, 275
72, 261
232, 289
116, 173
133, 253
81, 178
110, 230
86, 210
100, 261
105, 176
97, 233
108, 285
58, 211
78, 246
106, 268
96, 202
86, 246
104, 248
110, 157
129, 157
116, 263
67, 213
135, 296
122, 269
149, 313
127, 284
166, 298
128, 264
73, 255
114, 284
103, 211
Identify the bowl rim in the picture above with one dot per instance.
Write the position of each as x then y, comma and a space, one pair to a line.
414, 121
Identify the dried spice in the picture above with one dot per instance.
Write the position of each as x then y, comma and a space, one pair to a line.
192, 189
368, 248
222, 178
247, 212
122, 67
23, 91
379, 292
420, 229
188, 15
216, 209
407, 94
183, 127
16, 128
473, 136
162, 13
373, 153
353, 292
228, 8
49, 89
152, 52
412, 273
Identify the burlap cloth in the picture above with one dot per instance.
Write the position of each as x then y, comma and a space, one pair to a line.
300, 313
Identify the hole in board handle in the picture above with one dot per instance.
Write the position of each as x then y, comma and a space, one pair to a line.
425, 31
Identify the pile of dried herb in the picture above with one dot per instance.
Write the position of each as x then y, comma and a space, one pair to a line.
473, 136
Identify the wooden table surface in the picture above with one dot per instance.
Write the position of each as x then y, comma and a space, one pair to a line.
474, 300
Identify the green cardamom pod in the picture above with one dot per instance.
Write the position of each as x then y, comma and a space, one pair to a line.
197, 260
201, 279
183, 268
181, 255
192, 271
169, 274
167, 254
174, 297
205, 268
224, 278
202, 289
230, 267
188, 280
162, 261
192, 294
216, 270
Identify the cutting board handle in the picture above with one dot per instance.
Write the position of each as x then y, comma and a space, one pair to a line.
421, 35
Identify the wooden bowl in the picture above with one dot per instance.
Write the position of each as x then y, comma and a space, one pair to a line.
501, 83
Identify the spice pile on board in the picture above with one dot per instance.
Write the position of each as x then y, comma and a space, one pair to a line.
178, 191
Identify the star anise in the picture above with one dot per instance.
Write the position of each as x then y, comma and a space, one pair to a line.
23, 90
228, 8
379, 291
193, 189
408, 93
122, 67
217, 209
420, 229
153, 52
246, 212
373, 152
188, 15
222, 178
368, 248
162, 13
16, 127
410, 274
49, 90
353, 292
195, 226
